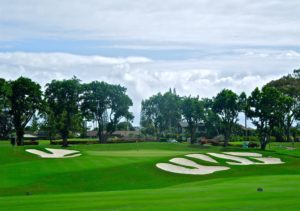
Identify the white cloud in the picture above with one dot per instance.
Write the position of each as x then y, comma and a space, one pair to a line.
211, 45
255, 22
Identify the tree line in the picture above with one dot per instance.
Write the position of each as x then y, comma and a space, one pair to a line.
274, 110
64, 106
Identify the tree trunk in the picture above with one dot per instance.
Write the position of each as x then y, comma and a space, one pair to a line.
64, 141
64, 136
288, 136
226, 137
101, 135
263, 143
157, 134
192, 132
225, 140
20, 137
103, 138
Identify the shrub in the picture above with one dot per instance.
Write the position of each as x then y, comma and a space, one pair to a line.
163, 139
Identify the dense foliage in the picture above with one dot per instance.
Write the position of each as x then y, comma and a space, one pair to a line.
107, 105
25, 100
274, 111
66, 107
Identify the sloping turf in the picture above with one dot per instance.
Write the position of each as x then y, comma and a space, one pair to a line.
124, 177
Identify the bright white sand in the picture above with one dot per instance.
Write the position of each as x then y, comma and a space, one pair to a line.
244, 161
202, 157
269, 161
196, 170
244, 154
55, 153
257, 156
240, 161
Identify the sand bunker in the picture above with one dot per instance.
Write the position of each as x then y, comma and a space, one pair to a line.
196, 169
244, 154
55, 153
186, 166
269, 161
257, 156
240, 161
202, 157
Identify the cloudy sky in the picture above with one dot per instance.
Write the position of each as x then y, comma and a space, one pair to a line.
196, 46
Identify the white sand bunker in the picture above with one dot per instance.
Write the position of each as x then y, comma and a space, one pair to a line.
202, 157
244, 154
239, 161
269, 161
55, 153
186, 166
245, 161
196, 169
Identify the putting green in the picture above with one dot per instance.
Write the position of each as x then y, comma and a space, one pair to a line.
124, 177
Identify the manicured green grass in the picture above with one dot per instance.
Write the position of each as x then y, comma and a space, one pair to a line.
124, 177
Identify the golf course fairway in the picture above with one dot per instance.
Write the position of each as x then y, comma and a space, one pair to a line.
124, 177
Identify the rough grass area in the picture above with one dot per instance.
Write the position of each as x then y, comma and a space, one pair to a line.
124, 177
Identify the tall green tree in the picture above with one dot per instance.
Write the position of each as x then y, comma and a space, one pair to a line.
49, 123
171, 111
290, 86
25, 99
226, 105
5, 117
151, 115
213, 123
106, 104
161, 113
62, 99
193, 112
265, 111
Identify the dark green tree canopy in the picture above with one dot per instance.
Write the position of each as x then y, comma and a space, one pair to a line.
5, 117
193, 112
226, 105
151, 116
106, 104
213, 123
161, 113
62, 98
265, 111
290, 86
25, 99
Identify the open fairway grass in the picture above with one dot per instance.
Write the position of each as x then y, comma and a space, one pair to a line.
124, 177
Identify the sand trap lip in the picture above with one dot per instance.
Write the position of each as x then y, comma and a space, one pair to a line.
244, 154
202, 157
55, 153
196, 170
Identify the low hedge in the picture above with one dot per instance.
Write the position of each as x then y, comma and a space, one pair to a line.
111, 141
